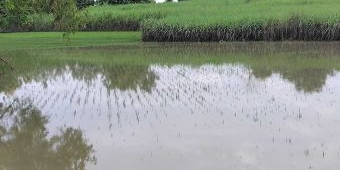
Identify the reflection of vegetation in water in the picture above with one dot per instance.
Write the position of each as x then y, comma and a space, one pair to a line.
24, 143
115, 75
27, 68
123, 77
127, 67
261, 72
307, 65
309, 74
8, 81
309, 79
126, 77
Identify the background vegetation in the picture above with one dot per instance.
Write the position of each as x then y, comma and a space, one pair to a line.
193, 20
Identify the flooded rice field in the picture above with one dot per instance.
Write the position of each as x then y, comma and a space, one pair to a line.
172, 106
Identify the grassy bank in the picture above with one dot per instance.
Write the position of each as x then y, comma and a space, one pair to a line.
43, 40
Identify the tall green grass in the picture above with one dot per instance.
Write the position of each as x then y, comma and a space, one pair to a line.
120, 17
214, 20
223, 20
237, 20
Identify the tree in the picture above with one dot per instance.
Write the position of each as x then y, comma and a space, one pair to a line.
41, 6
14, 14
3, 12
66, 18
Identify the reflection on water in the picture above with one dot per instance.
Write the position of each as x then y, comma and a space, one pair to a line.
24, 142
210, 109
308, 79
307, 65
114, 76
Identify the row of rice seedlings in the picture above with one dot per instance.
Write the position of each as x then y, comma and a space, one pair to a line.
294, 28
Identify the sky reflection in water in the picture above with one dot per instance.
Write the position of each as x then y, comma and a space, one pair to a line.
209, 116
247, 114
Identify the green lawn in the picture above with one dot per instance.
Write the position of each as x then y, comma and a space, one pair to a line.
44, 40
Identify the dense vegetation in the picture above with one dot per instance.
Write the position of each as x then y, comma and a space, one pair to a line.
48, 15
222, 20
194, 20
233, 20
38, 15
122, 1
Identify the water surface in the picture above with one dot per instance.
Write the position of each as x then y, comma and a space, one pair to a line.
172, 106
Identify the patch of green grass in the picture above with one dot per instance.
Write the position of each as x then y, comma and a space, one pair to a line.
43, 40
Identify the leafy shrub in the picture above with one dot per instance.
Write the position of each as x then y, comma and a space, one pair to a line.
84, 3
123, 1
41, 22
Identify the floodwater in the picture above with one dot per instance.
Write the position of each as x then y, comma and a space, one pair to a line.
172, 106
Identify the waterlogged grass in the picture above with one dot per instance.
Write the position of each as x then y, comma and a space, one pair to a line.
43, 40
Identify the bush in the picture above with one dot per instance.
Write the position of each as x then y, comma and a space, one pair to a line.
84, 3
41, 22
13, 14
123, 1
3, 12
